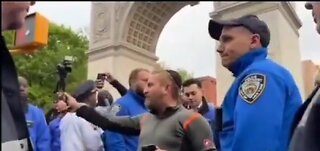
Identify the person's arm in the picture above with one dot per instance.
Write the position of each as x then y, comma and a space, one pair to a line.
259, 112
43, 142
200, 141
120, 88
124, 125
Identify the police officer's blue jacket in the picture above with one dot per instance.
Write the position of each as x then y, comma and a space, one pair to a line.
55, 132
260, 106
130, 104
38, 129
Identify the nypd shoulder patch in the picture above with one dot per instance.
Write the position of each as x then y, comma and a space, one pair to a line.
252, 87
115, 109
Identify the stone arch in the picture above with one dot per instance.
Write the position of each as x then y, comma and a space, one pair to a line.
124, 35
145, 22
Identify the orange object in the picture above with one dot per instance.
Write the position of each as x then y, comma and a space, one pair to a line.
33, 35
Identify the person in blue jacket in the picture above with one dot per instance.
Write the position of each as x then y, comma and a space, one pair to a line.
36, 121
259, 108
197, 102
131, 104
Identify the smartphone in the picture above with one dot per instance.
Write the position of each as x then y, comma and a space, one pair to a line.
149, 148
101, 76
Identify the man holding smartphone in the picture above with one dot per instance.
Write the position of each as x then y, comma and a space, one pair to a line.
101, 77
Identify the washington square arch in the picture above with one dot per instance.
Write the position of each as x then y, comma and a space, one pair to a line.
124, 36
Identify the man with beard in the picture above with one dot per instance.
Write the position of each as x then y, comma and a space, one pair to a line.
131, 104
14, 129
36, 121
307, 133
167, 127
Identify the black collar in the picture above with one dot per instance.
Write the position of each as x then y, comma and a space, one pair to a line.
204, 108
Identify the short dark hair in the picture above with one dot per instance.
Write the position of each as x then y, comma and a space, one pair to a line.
134, 75
191, 81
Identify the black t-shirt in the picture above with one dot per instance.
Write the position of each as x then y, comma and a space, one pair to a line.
13, 125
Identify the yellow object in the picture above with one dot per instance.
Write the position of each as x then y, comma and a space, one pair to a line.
32, 36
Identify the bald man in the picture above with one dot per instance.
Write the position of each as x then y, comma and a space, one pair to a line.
36, 121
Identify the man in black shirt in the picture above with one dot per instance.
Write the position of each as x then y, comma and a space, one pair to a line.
307, 132
15, 135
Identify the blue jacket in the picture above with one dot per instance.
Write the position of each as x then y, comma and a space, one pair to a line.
55, 132
260, 106
130, 104
207, 110
38, 129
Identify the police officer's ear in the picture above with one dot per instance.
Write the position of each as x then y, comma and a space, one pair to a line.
255, 41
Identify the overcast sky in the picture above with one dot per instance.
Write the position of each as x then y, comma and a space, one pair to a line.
184, 37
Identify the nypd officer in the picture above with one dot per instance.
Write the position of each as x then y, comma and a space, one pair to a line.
259, 107
76, 133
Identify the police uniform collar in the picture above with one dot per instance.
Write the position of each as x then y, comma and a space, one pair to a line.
204, 107
247, 60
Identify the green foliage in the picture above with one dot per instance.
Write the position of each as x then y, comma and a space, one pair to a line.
9, 37
40, 68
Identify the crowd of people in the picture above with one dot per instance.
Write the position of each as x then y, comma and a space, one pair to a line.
263, 109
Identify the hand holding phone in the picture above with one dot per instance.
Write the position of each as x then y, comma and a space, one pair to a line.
101, 76
109, 77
